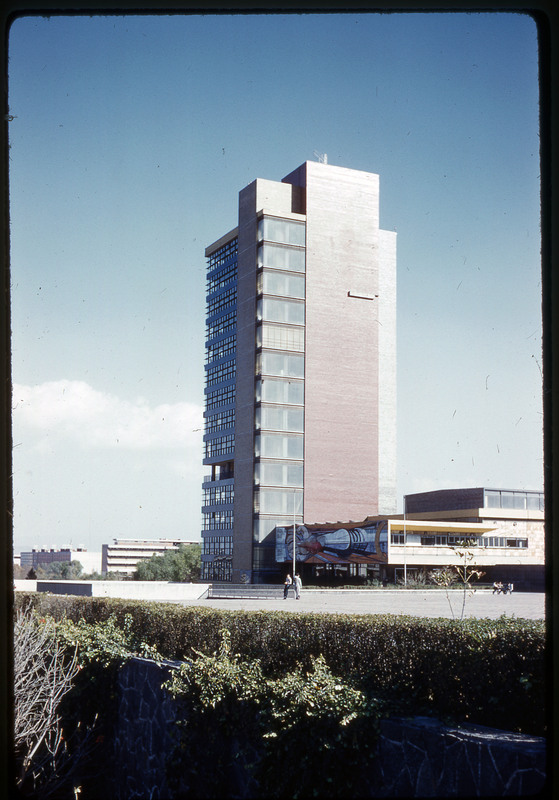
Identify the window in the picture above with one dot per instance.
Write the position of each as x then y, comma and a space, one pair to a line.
219, 495
279, 418
428, 541
278, 390
278, 501
219, 279
280, 337
534, 502
280, 364
272, 310
517, 543
220, 373
286, 231
281, 283
274, 445
223, 254
223, 300
220, 445
220, 421
227, 322
218, 520
397, 538
276, 473
281, 257
220, 397
224, 347
217, 545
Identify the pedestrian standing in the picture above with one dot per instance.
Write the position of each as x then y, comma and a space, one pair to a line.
298, 586
286, 585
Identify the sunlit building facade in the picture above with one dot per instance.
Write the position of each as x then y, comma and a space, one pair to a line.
300, 396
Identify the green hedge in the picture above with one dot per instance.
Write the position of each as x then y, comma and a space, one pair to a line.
488, 672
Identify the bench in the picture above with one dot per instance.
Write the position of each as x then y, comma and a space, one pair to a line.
224, 591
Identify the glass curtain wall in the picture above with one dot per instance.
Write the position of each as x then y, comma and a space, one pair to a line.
219, 430
280, 382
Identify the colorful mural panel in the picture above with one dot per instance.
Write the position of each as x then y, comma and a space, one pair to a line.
361, 545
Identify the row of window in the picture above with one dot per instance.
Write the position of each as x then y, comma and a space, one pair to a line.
533, 501
280, 390
279, 418
221, 372
220, 421
271, 309
263, 526
223, 254
281, 283
219, 495
284, 365
221, 278
278, 473
224, 347
220, 397
278, 501
278, 256
273, 229
224, 324
280, 337
219, 571
222, 445
457, 541
217, 545
276, 445
218, 520
224, 300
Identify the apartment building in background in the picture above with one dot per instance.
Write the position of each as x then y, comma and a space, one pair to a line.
300, 396
123, 555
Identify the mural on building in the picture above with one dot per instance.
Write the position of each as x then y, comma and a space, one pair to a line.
363, 545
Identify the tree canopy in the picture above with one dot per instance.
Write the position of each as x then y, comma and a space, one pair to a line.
178, 566
60, 570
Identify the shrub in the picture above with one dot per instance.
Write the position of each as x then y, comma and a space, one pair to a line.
242, 733
483, 671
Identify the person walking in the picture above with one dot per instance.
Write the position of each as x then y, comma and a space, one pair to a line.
298, 586
286, 585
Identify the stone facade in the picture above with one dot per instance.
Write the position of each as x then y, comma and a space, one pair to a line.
417, 757
422, 758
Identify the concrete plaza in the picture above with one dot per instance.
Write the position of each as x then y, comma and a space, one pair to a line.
413, 602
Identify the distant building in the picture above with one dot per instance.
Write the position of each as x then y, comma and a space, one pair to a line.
300, 397
124, 554
504, 530
41, 557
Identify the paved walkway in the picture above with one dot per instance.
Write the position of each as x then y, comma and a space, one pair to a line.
414, 602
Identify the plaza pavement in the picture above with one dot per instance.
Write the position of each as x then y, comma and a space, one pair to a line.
413, 602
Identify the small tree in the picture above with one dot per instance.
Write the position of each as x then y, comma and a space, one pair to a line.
44, 672
464, 573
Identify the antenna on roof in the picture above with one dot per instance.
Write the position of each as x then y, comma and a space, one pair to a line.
322, 158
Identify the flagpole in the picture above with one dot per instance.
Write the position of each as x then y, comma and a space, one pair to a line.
294, 532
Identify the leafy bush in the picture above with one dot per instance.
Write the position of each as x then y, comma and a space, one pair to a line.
242, 734
483, 671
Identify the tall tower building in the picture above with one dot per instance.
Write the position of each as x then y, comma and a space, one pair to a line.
300, 419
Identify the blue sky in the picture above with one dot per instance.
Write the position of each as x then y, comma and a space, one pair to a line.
130, 140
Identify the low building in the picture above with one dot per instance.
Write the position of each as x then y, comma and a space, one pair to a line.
123, 555
515, 551
504, 531
42, 557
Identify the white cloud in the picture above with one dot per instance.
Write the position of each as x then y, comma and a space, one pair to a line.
76, 410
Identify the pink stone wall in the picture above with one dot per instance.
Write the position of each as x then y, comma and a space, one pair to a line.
342, 365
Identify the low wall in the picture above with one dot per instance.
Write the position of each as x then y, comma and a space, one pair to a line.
127, 590
417, 757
